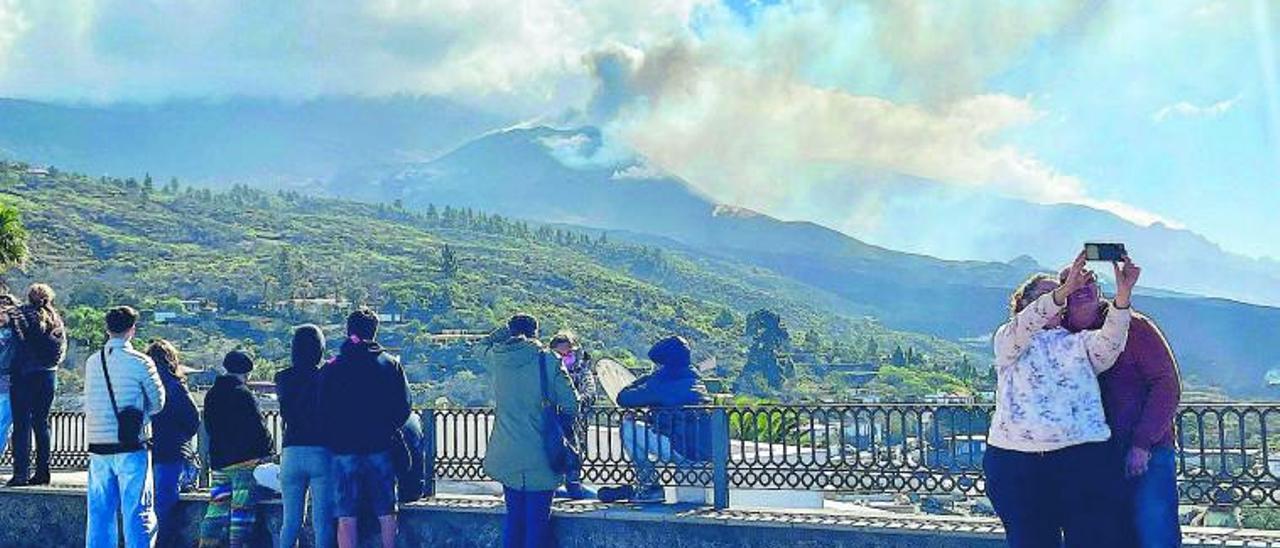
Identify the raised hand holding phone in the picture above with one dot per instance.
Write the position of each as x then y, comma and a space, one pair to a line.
1127, 274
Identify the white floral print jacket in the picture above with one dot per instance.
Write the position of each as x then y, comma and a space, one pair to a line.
1047, 395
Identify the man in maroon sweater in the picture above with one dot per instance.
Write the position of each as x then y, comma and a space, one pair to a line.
1140, 395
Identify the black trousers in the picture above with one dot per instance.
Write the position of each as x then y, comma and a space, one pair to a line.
31, 399
1069, 497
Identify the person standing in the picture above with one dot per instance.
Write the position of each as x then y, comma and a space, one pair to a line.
120, 385
1046, 465
305, 466
173, 450
515, 455
1140, 394
8, 348
42, 345
364, 400
238, 442
578, 364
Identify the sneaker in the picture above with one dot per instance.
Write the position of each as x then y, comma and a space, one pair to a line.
40, 478
18, 482
652, 493
576, 491
615, 494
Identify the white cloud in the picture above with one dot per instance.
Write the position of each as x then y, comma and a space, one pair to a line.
806, 92
1190, 110
526, 52
758, 139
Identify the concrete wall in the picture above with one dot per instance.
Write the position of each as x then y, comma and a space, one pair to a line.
43, 517
56, 517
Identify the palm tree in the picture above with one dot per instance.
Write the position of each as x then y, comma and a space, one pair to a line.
13, 240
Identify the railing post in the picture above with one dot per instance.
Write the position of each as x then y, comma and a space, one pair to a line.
720, 457
203, 479
429, 458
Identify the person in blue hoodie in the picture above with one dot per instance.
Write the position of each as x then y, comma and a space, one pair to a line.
668, 432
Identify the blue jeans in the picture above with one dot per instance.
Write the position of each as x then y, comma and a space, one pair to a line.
1055, 498
1153, 502
528, 520
303, 469
121, 483
6, 421
168, 483
646, 448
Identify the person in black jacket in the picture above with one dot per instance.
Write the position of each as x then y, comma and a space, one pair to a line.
305, 463
238, 442
42, 345
669, 432
364, 400
173, 435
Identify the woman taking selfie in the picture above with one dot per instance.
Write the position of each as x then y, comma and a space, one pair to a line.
1047, 467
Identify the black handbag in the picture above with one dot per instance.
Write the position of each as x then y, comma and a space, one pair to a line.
401, 455
556, 440
129, 419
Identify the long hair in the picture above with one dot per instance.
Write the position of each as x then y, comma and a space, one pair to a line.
166, 356
1019, 300
40, 297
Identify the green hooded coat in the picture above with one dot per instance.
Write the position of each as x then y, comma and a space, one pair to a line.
515, 456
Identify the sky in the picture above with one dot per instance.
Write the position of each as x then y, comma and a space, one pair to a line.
1159, 111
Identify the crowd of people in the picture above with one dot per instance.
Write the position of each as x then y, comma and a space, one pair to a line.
1080, 447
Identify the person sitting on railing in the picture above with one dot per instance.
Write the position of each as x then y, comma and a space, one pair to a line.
516, 454
238, 442
1047, 469
1140, 395
670, 433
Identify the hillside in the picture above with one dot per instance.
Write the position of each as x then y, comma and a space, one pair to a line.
249, 252
574, 176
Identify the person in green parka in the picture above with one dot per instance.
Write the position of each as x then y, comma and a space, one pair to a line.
515, 456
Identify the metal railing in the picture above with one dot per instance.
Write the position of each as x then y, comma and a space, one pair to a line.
1227, 453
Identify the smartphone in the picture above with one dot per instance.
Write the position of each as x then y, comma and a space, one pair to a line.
1104, 252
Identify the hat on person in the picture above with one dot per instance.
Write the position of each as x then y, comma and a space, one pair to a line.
671, 351
237, 363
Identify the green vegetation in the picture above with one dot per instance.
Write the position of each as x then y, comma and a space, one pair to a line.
219, 270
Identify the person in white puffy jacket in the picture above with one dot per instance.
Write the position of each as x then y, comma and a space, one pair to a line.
1047, 464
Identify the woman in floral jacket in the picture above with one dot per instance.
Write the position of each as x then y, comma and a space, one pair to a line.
1047, 468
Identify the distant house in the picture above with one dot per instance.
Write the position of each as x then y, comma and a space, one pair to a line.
322, 305
165, 316
38, 171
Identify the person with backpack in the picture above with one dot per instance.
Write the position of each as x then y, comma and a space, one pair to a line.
525, 377
364, 400
173, 450
122, 390
8, 347
238, 442
42, 345
411, 483
306, 464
